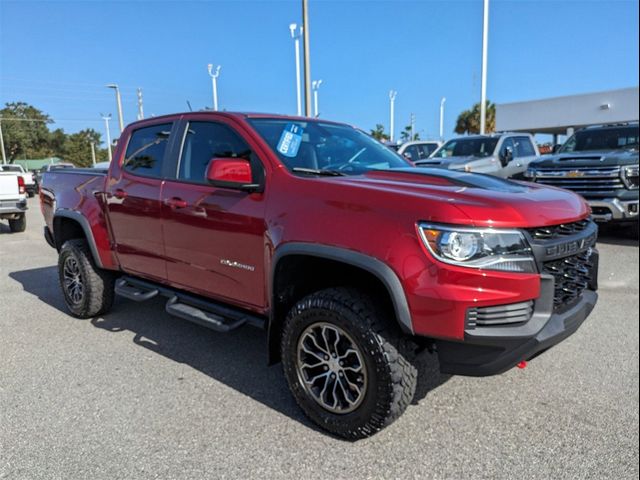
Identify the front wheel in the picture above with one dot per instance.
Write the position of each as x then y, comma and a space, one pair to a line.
347, 366
88, 290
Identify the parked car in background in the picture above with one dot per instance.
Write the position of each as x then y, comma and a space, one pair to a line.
48, 168
601, 164
504, 155
350, 258
418, 149
13, 199
29, 182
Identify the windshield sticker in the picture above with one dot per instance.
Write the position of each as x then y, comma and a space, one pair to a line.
290, 140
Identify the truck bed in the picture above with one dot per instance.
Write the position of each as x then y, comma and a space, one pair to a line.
77, 190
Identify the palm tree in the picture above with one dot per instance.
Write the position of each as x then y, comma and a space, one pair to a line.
378, 133
469, 120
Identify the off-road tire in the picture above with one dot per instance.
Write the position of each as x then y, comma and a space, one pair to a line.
18, 224
391, 377
98, 284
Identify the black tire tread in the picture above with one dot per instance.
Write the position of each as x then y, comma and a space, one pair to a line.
398, 378
19, 224
99, 284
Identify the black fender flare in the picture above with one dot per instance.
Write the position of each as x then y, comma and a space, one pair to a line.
379, 269
84, 224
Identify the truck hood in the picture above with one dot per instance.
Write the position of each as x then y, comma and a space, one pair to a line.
605, 158
449, 196
449, 162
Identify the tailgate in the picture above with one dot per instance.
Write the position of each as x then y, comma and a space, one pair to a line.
9, 186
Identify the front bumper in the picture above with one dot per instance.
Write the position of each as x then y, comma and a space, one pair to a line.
613, 209
491, 353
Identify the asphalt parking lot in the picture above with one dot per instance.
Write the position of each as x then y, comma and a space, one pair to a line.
140, 394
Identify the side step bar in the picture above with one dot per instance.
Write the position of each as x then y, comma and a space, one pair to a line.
213, 315
137, 294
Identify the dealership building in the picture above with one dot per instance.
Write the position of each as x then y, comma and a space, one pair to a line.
562, 115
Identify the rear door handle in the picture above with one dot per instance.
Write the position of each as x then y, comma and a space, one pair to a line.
176, 203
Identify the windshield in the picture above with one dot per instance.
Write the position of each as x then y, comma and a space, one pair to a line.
602, 139
467, 147
11, 168
327, 147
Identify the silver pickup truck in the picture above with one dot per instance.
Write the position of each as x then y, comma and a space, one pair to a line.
505, 155
13, 199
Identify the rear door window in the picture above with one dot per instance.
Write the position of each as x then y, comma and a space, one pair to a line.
146, 150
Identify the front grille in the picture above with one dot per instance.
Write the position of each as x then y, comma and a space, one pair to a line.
584, 180
558, 231
515, 313
572, 276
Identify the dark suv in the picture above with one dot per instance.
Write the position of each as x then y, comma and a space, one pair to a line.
601, 164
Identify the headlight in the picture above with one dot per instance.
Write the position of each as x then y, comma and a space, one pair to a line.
491, 249
630, 176
530, 173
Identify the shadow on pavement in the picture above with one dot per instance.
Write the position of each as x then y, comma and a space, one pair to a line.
238, 359
623, 235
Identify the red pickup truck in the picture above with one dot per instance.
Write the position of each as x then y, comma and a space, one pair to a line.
349, 257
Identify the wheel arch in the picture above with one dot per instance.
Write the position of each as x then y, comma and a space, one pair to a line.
69, 224
288, 264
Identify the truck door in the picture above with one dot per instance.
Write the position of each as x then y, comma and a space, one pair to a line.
524, 154
213, 236
133, 201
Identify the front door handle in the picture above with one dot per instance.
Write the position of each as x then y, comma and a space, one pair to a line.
119, 193
176, 203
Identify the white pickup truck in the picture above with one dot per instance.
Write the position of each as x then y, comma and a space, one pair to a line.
13, 199
29, 181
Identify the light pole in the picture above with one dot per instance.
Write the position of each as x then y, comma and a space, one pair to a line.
483, 88
307, 60
4, 154
295, 34
140, 106
214, 74
442, 102
315, 86
119, 104
412, 123
392, 106
106, 119
93, 153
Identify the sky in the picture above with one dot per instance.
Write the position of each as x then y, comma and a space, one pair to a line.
59, 55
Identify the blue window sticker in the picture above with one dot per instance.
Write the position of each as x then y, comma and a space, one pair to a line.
290, 140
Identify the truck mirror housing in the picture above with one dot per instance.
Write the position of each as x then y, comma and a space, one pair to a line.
231, 173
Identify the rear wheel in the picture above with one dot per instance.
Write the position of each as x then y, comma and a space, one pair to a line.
347, 367
18, 224
88, 290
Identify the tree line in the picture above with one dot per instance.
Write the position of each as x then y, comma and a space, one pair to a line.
27, 135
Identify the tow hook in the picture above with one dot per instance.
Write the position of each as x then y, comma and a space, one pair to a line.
522, 365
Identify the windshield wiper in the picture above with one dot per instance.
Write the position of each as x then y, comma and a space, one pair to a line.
317, 171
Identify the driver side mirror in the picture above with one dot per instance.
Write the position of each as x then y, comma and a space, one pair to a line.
231, 173
506, 156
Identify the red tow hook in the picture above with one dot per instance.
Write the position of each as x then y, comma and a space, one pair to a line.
522, 365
